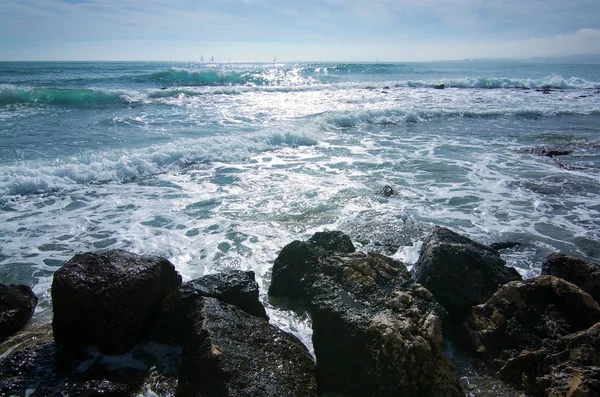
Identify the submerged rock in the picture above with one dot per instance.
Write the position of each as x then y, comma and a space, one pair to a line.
386, 191
17, 304
503, 245
584, 274
232, 353
109, 300
238, 288
547, 151
374, 333
439, 86
459, 272
523, 327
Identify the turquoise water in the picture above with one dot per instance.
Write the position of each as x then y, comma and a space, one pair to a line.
218, 166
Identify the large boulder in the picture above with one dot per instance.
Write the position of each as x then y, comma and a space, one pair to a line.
236, 287
568, 367
523, 328
584, 274
374, 332
17, 304
459, 272
297, 264
229, 352
109, 299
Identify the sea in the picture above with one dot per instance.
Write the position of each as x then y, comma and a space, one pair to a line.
217, 166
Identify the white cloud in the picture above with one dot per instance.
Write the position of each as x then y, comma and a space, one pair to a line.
325, 29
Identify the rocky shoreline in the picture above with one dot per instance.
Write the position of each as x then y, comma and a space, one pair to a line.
125, 325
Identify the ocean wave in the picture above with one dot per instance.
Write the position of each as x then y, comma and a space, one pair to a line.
401, 116
120, 166
208, 77
548, 82
71, 97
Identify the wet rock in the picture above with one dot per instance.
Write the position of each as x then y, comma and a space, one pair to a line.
503, 245
374, 333
547, 151
522, 327
238, 288
459, 272
43, 369
17, 304
298, 261
568, 367
109, 300
584, 274
387, 191
439, 86
232, 353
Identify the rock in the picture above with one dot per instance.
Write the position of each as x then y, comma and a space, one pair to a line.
17, 304
374, 333
504, 245
292, 263
568, 367
43, 369
387, 191
109, 299
439, 86
547, 151
459, 272
238, 288
584, 274
232, 353
522, 327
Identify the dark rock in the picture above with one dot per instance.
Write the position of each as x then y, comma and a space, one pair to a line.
17, 304
387, 191
568, 367
504, 245
387, 87
238, 288
459, 272
523, 327
110, 299
548, 152
231, 353
374, 333
293, 263
584, 274
43, 369
439, 86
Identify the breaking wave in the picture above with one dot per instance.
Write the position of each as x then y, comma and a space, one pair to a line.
121, 165
69, 97
548, 82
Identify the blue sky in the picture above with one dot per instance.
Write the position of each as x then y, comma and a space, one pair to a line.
297, 30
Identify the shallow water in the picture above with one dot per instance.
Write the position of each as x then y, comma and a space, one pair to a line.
218, 166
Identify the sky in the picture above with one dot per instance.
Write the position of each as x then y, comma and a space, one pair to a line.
296, 30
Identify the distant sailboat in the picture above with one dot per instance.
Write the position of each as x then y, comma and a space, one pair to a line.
212, 59
274, 59
201, 58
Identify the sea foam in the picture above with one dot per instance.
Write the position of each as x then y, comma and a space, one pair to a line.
121, 165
